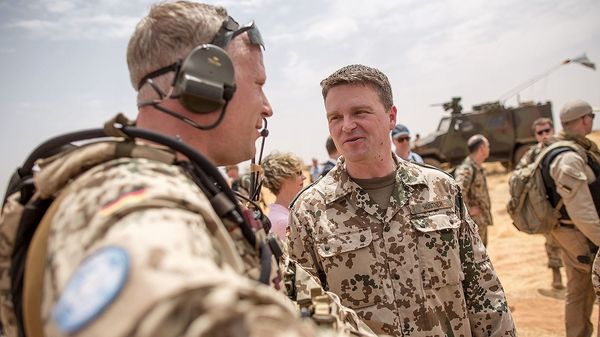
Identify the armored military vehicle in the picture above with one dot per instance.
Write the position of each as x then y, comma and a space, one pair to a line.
507, 128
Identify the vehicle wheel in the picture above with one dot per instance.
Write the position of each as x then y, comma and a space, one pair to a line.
519, 152
432, 162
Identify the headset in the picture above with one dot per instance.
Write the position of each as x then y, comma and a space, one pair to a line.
205, 80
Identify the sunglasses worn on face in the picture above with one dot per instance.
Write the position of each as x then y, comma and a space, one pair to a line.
541, 132
402, 139
593, 115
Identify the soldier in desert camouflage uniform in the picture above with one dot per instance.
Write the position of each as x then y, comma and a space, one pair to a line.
134, 246
543, 130
390, 237
470, 177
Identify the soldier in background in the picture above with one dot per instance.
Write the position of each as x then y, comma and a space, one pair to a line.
390, 237
333, 153
576, 178
315, 173
470, 176
543, 130
134, 246
401, 138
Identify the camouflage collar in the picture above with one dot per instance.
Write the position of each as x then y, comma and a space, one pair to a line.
471, 162
338, 183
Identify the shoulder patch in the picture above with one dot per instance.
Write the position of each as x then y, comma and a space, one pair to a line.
91, 288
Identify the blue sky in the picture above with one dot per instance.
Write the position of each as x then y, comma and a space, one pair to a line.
63, 61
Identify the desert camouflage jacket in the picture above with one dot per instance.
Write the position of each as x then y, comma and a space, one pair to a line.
417, 268
136, 249
475, 190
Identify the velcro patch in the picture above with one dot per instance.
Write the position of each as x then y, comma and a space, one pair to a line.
91, 288
430, 206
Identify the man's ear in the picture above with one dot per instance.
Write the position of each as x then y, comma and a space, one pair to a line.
392, 115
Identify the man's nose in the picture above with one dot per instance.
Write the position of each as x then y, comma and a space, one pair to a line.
267, 109
348, 124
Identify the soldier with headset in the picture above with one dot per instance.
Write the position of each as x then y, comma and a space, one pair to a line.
138, 238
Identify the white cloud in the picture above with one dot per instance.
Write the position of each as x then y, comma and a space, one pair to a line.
33, 25
335, 29
93, 27
60, 6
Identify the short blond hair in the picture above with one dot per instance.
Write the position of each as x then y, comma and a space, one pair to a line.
168, 34
278, 167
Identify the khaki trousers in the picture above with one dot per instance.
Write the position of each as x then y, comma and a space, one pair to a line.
579, 297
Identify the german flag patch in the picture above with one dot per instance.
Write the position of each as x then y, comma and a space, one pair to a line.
130, 198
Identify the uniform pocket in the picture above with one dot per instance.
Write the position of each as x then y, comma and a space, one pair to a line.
438, 248
349, 260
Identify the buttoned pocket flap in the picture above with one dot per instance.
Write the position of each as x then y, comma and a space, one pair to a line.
341, 243
436, 222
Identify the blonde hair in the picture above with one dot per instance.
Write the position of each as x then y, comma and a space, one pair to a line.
167, 34
279, 166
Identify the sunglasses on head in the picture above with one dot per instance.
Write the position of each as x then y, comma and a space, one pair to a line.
541, 132
228, 31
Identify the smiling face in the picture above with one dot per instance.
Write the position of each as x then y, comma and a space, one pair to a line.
359, 124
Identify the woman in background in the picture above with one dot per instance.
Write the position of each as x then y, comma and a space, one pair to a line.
283, 176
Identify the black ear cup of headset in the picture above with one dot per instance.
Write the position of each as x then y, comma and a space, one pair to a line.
206, 79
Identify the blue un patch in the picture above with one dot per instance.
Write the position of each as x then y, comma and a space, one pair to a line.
94, 284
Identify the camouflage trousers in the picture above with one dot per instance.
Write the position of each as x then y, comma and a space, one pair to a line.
553, 252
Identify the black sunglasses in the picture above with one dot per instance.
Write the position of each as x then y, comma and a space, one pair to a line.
230, 29
541, 132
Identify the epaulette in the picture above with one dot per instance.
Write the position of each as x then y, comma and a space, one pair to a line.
433, 167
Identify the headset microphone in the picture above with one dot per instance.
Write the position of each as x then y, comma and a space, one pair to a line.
264, 132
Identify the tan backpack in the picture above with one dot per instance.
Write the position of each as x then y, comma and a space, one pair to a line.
529, 206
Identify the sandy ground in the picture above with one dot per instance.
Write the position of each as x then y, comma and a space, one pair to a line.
520, 261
